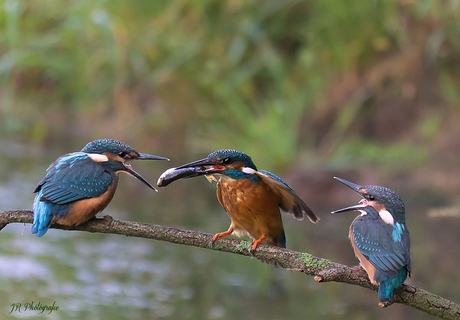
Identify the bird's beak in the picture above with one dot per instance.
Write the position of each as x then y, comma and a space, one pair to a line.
189, 170
129, 169
146, 156
356, 187
203, 166
362, 204
351, 185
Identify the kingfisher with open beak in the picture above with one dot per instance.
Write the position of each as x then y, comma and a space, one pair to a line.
252, 198
79, 185
380, 238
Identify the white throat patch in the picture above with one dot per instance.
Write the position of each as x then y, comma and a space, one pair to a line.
248, 170
386, 217
96, 157
363, 213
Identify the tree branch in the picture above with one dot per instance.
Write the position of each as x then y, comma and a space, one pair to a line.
321, 269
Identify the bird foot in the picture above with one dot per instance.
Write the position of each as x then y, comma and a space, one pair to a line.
107, 218
384, 304
222, 234
255, 243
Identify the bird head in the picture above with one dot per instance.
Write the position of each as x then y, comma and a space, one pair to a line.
115, 154
117, 151
229, 162
387, 203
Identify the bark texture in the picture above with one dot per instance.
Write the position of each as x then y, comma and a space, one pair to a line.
322, 270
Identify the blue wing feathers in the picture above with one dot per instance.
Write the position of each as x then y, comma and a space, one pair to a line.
70, 178
377, 245
298, 208
276, 178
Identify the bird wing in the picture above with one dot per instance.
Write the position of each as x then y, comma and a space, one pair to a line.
386, 249
290, 202
73, 177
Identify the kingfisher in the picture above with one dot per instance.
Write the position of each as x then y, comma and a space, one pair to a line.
380, 238
252, 198
79, 185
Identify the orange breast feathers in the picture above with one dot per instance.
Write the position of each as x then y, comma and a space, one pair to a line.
86, 209
252, 207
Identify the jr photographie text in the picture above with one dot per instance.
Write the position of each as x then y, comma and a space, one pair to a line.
32, 306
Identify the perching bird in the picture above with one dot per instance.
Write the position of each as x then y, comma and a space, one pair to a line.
79, 185
380, 238
252, 198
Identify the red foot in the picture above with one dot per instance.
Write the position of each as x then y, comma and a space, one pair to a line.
255, 243
222, 234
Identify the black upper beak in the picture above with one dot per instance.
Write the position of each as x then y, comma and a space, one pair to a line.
127, 168
189, 170
146, 156
203, 166
355, 187
197, 163
349, 184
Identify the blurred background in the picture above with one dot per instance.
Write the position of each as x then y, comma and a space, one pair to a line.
364, 90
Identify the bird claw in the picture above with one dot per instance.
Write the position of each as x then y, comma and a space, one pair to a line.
213, 241
107, 219
221, 235
255, 243
215, 237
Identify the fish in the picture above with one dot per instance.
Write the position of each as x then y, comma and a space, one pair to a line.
174, 174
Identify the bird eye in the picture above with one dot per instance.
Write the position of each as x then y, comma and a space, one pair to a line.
226, 161
371, 198
122, 154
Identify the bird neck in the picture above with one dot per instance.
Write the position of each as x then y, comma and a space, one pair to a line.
398, 215
237, 174
114, 166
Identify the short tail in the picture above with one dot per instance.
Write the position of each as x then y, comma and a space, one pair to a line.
277, 241
42, 216
388, 285
280, 241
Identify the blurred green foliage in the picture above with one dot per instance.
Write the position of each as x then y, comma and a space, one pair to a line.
234, 73
360, 151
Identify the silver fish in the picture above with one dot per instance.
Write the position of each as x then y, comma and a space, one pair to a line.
174, 174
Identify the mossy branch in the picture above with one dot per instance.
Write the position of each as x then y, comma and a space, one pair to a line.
321, 269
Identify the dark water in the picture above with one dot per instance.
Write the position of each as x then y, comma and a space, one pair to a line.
92, 276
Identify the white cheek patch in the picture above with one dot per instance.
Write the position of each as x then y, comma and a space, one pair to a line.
248, 170
386, 217
96, 157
